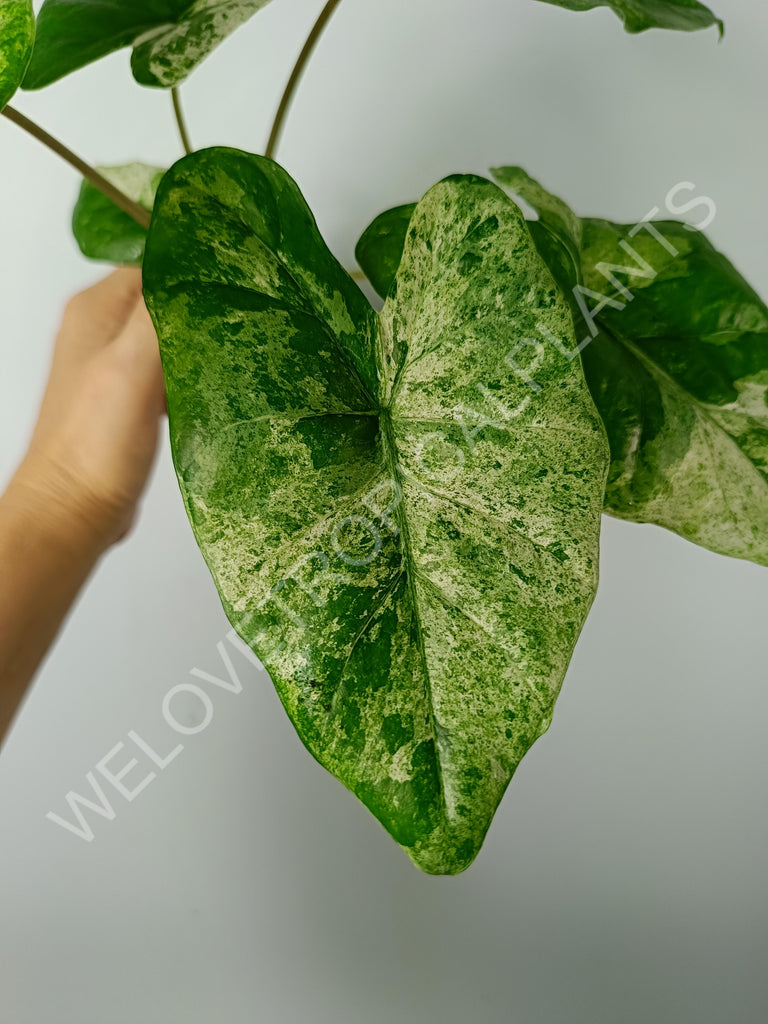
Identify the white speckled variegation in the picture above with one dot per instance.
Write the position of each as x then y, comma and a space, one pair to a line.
678, 369
401, 512
169, 37
166, 55
17, 34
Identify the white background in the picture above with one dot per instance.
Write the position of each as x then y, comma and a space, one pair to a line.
624, 879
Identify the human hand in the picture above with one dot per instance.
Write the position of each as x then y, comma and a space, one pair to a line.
97, 432
76, 491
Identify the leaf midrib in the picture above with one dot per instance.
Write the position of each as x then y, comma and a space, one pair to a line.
390, 454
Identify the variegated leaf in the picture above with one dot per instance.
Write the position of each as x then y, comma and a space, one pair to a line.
639, 15
17, 35
102, 230
169, 37
675, 351
400, 522
678, 370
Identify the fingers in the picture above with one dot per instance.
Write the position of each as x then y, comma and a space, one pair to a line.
123, 282
139, 327
101, 413
137, 346
94, 317
96, 320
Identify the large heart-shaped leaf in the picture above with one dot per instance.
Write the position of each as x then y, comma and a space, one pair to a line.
169, 37
102, 230
400, 521
675, 351
639, 15
17, 35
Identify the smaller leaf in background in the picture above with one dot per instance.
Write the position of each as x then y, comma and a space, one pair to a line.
639, 15
380, 248
559, 218
678, 371
102, 230
169, 38
17, 36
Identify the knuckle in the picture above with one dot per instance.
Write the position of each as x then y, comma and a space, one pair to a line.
76, 307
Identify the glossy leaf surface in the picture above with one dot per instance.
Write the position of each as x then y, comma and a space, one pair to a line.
17, 35
679, 372
401, 527
639, 15
169, 37
678, 366
102, 230
380, 248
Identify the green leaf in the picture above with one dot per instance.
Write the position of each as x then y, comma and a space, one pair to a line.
102, 230
401, 522
679, 371
17, 35
639, 15
380, 248
169, 37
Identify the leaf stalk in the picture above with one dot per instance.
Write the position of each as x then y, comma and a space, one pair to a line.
180, 120
293, 82
127, 205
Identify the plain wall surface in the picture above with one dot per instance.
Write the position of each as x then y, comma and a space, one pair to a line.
624, 878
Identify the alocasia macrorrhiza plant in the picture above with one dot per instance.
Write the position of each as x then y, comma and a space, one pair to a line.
401, 506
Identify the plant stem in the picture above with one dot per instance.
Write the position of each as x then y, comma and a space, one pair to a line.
179, 113
293, 81
139, 214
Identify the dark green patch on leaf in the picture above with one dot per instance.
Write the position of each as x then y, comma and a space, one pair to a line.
381, 246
